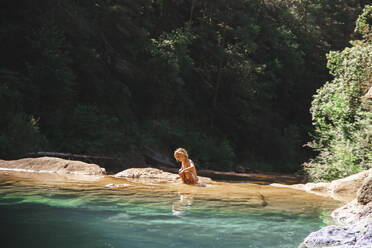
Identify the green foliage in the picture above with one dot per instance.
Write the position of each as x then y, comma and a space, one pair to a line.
19, 137
52, 81
342, 118
225, 79
93, 132
173, 48
19, 133
364, 23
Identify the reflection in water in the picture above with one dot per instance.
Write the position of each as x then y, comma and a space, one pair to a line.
179, 207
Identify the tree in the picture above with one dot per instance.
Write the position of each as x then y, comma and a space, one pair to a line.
341, 116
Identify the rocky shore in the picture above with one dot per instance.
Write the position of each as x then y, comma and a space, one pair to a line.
155, 174
354, 220
71, 167
52, 165
344, 189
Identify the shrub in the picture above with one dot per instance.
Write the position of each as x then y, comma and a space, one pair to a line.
19, 137
342, 118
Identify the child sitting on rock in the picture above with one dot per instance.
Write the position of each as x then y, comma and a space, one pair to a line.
187, 172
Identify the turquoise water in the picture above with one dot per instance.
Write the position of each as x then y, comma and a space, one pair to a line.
93, 216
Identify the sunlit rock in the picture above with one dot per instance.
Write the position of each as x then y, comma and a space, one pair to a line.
51, 165
358, 209
156, 174
355, 217
365, 192
352, 212
356, 235
344, 189
350, 184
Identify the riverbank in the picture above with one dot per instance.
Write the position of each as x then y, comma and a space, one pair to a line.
354, 219
68, 166
55, 210
252, 190
259, 190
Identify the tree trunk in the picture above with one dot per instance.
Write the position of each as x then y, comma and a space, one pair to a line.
218, 81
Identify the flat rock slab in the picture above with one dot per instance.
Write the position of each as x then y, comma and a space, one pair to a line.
52, 165
153, 173
357, 236
344, 189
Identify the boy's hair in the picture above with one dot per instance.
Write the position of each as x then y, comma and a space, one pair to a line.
181, 150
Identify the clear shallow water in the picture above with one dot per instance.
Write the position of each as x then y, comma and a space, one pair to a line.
90, 214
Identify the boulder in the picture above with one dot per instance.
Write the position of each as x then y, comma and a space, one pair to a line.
356, 235
355, 216
350, 184
51, 165
358, 209
136, 173
364, 195
352, 212
317, 187
156, 174
344, 189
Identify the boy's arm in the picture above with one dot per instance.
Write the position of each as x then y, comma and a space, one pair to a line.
191, 165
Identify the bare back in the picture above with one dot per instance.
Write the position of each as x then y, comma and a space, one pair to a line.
189, 176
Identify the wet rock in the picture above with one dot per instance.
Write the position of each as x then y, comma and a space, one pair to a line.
152, 173
52, 165
357, 236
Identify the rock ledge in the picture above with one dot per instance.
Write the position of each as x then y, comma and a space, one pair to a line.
51, 165
355, 219
153, 173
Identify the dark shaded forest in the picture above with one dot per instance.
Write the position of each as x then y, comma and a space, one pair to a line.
231, 81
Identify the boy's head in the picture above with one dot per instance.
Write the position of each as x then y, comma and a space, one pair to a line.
181, 154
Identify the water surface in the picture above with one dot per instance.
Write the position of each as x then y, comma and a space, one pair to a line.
54, 211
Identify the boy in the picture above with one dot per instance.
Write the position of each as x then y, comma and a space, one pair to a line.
187, 172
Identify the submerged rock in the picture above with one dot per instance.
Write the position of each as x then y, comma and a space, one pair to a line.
356, 235
51, 165
152, 173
